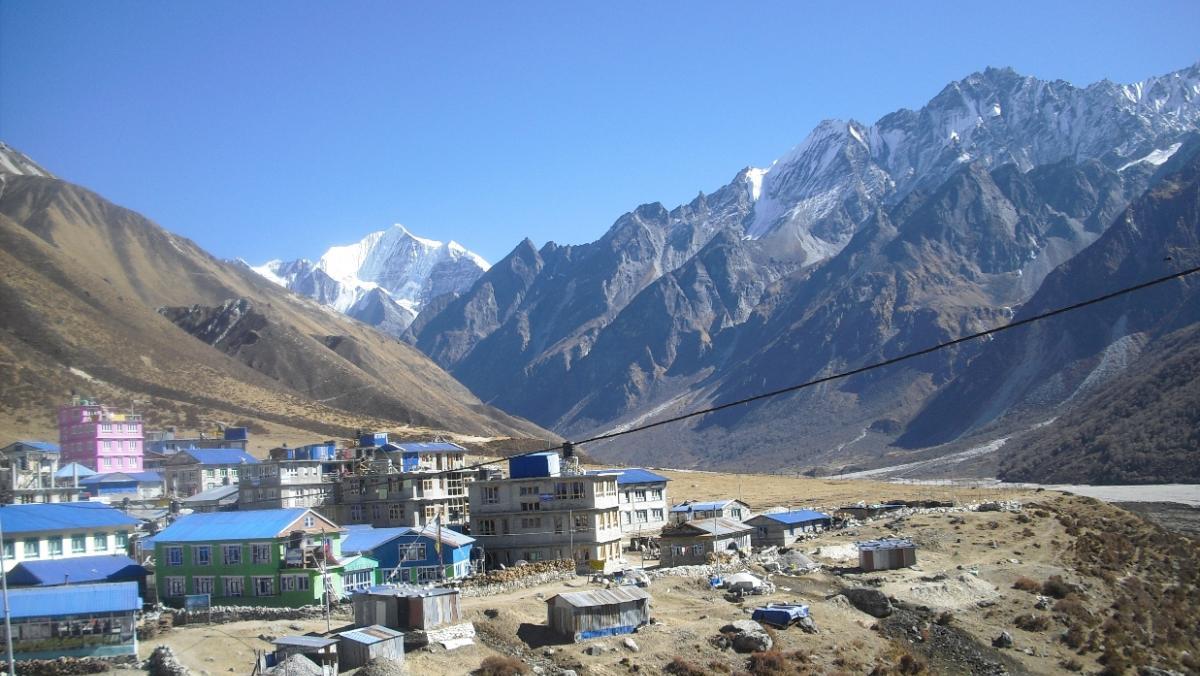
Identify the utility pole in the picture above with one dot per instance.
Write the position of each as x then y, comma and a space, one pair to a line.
12, 666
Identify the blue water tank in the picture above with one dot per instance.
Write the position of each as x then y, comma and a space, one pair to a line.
372, 439
534, 465
236, 434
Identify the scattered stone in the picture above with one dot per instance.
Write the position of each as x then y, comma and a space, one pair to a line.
807, 625
162, 662
870, 601
748, 636
631, 645
1004, 640
594, 650
1155, 671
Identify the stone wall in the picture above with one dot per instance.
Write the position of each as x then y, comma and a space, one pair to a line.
222, 614
520, 577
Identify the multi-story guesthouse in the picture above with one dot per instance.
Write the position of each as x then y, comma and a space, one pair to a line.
782, 529
291, 477
63, 530
274, 557
643, 503
27, 474
690, 510
198, 469
414, 555
98, 437
85, 620
542, 511
409, 484
117, 485
166, 443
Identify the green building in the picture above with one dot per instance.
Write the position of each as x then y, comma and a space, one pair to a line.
270, 557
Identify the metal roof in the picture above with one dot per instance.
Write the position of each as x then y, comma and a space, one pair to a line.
305, 641
873, 545
715, 527
372, 634
632, 475
61, 516
797, 516
702, 506
221, 456
428, 447
365, 538
122, 477
45, 573
73, 469
44, 446
407, 590
220, 526
602, 597
215, 493
74, 599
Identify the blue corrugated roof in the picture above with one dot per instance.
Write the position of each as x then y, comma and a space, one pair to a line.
428, 447
700, 506
74, 599
221, 456
44, 446
73, 469
632, 475
61, 516
122, 477
215, 493
216, 526
108, 568
365, 538
797, 516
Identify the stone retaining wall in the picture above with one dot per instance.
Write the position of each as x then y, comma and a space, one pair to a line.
222, 614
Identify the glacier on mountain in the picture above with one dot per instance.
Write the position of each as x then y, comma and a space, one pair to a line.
409, 270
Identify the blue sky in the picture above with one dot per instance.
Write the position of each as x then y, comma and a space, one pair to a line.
267, 129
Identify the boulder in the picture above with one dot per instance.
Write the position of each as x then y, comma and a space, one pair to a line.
748, 636
1004, 640
631, 645
870, 601
807, 625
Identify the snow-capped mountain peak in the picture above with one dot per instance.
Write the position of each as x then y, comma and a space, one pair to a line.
410, 270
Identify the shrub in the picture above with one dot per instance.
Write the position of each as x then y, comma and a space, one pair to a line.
681, 667
1032, 622
1026, 584
501, 665
1057, 587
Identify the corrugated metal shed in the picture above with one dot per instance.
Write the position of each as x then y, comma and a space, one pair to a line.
886, 554
716, 527
61, 516
76, 599
359, 646
221, 456
74, 571
216, 526
601, 612
404, 607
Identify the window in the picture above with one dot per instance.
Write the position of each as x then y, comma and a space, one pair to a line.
558, 526
105, 427
486, 527
174, 555
529, 490
697, 550
656, 514
78, 544
412, 551
395, 511
291, 583
202, 585
174, 586
639, 495
31, 548
231, 555
531, 506
374, 513
642, 516
260, 552
55, 546
531, 522
263, 586
234, 586
108, 463
356, 512
491, 495
626, 518
202, 555
426, 485
122, 539
10, 549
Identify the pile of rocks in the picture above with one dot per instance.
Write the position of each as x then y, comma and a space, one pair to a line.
64, 666
162, 662
520, 577
744, 636
240, 613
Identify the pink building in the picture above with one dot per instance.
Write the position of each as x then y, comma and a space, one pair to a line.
100, 438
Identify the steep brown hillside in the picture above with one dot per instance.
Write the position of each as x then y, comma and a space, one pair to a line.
83, 283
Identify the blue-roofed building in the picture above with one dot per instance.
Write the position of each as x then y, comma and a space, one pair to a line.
82, 570
27, 471
198, 469
408, 554
412, 484
690, 510
272, 557
136, 485
72, 472
81, 620
63, 530
643, 504
783, 529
